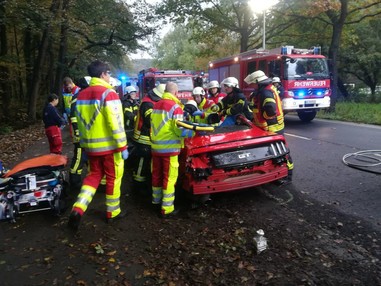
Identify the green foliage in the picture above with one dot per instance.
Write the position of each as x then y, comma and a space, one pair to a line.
5, 129
361, 54
78, 31
354, 112
178, 51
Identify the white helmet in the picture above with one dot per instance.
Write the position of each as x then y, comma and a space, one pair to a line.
159, 89
230, 81
130, 89
256, 77
276, 79
198, 90
192, 102
213, 84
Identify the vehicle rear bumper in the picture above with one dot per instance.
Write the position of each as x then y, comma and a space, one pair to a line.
227, 181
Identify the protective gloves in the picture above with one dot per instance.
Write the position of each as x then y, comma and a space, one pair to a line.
197, 113
125, 154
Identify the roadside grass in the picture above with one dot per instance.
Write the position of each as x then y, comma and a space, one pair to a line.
368, 113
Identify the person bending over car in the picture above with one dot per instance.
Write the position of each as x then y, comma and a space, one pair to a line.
233, 104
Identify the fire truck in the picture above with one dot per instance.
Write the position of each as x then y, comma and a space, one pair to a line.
149, 78
304, 75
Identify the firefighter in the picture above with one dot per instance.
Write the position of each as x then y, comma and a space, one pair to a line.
141, 137
101, 130
277, 83
79, 157
214, 91
233, 103
130, 110
267, 111
202, 105
167, 140
69, 90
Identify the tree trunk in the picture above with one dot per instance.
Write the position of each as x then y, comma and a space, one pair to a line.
338, 24
38, 66
244, 30
62, 62
28, 57
19, 82
5, 88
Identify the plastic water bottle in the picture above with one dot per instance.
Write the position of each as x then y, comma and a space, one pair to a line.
260, 241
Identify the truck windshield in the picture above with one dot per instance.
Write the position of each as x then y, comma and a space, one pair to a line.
306, 68
184, 83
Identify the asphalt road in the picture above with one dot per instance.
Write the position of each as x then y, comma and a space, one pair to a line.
317, 149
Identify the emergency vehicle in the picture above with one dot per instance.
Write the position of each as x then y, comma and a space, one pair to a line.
304, 75
149, 78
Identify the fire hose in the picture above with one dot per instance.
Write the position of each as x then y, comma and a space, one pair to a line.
364, 160
195, 126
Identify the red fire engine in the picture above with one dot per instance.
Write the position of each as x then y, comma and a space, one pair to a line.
303, 72
149, 78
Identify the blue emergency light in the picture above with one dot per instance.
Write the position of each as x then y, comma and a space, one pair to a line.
317, 50
301, 93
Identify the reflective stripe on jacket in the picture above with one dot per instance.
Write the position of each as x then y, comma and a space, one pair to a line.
167, 139
100, 119
143, 121
204, 106
268, 113
67, 98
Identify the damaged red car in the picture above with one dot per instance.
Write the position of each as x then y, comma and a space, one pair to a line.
232, 158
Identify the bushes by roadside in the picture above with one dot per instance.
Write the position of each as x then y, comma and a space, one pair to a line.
368, 113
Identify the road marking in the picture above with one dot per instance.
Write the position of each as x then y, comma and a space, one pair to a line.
297, 136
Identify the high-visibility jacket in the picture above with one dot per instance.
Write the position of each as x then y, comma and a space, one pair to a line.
143, 120
67, 98
74, 132
167, 139
204, 106
267, 111
100, 119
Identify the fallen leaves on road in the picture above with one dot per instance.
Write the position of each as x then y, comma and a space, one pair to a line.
14, 143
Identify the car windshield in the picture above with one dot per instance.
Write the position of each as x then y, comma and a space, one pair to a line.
306, 68
184, 83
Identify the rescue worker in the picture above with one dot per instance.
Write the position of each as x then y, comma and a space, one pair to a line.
53, 122
268, 112
130, 110
203, 105
233, 103
102, 136
79, 157
141, 137
167, 140
277, 83
214, 91
69, 89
